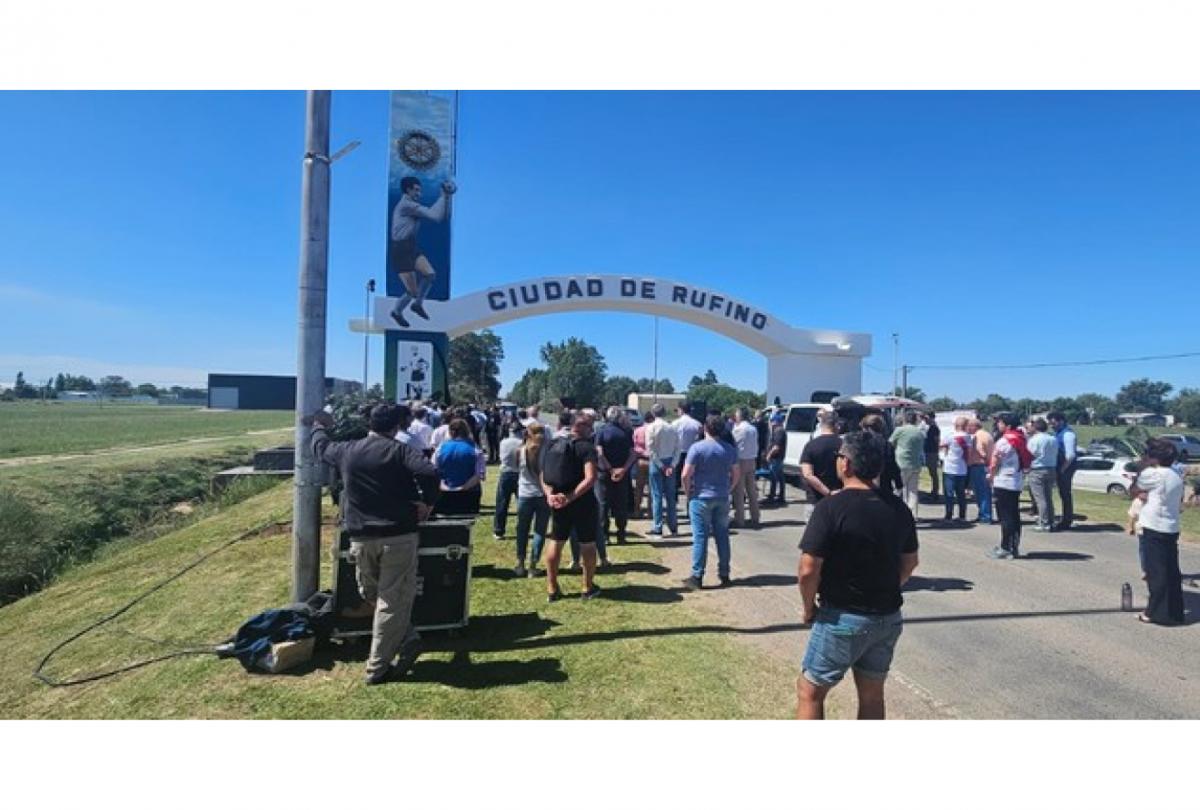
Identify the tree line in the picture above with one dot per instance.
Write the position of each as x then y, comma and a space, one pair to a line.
110, 386
1136, 396
571, 368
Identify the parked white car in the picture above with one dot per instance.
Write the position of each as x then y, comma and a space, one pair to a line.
1104, 474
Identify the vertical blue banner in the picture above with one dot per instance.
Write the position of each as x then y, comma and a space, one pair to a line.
421, 188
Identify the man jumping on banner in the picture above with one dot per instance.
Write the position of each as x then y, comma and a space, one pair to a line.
416, 273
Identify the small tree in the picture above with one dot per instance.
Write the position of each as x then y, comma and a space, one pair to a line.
147, 390
1142, 395
940, 404
645, 385
115, 386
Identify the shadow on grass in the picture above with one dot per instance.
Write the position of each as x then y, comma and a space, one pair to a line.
1059, 556
489, 571
645, 594
460, 672
936, 584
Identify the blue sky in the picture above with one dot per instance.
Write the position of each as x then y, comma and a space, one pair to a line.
155, 235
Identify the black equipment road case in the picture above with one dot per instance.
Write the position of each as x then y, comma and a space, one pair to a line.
443, 579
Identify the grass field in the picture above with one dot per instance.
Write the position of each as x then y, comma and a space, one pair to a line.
55, 513
37, 428
639, 651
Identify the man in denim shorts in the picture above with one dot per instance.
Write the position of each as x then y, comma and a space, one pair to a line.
859, 548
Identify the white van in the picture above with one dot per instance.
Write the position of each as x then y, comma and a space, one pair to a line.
801, 422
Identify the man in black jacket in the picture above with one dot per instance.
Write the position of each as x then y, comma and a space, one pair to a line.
389, 488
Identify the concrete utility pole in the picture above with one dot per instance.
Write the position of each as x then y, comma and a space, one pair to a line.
310, 360
895, 362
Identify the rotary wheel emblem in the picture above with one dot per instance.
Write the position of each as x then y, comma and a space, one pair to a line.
418, 149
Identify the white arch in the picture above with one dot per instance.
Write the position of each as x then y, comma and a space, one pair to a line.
799, 360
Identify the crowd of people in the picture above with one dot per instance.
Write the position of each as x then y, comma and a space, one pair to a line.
576, 481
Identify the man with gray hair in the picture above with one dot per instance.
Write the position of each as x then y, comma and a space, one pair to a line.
662, 445
614, 458
1043, 473
745, 437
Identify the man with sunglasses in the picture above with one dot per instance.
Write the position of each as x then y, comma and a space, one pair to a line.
858, 550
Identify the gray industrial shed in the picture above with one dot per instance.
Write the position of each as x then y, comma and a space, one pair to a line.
264, 392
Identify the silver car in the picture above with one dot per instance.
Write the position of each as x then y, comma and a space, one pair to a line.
1187, 445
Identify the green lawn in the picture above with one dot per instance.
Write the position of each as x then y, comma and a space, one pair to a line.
639, 651
44, 428
56, 513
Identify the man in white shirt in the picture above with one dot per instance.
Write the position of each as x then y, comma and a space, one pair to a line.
745, 436
404, 254
662, 445
420, 430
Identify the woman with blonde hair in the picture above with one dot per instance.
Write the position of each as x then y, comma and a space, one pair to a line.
532, 506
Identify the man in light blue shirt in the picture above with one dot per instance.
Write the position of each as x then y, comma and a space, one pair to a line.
709, 473
1067, 451
688, 431
1043, 473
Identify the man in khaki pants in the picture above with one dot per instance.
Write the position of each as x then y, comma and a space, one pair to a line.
389, 489
745, 436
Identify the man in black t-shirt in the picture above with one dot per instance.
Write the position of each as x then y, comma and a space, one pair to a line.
818, 460
568, 475
859, 549
776, 451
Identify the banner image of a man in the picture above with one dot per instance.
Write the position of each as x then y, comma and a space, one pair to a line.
404, 254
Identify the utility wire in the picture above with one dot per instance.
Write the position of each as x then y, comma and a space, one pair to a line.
1107, 361
204, 650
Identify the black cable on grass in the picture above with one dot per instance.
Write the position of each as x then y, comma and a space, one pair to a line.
206, 650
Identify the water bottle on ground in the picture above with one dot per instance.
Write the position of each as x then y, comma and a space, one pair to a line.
1126, 597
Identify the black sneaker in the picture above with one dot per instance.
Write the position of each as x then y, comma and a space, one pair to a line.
591, 593
382, 676
398, 317
418, 309
725, 582
692, 584
408, 656
555, 596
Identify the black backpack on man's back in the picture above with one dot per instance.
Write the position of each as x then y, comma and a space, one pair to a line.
562, 467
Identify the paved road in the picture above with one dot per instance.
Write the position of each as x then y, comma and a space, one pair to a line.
1039, 637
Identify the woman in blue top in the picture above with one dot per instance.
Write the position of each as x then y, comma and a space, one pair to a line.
457, 465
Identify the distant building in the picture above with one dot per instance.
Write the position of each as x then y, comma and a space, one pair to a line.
1147, 419
264, 392
644, 402
79, 396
